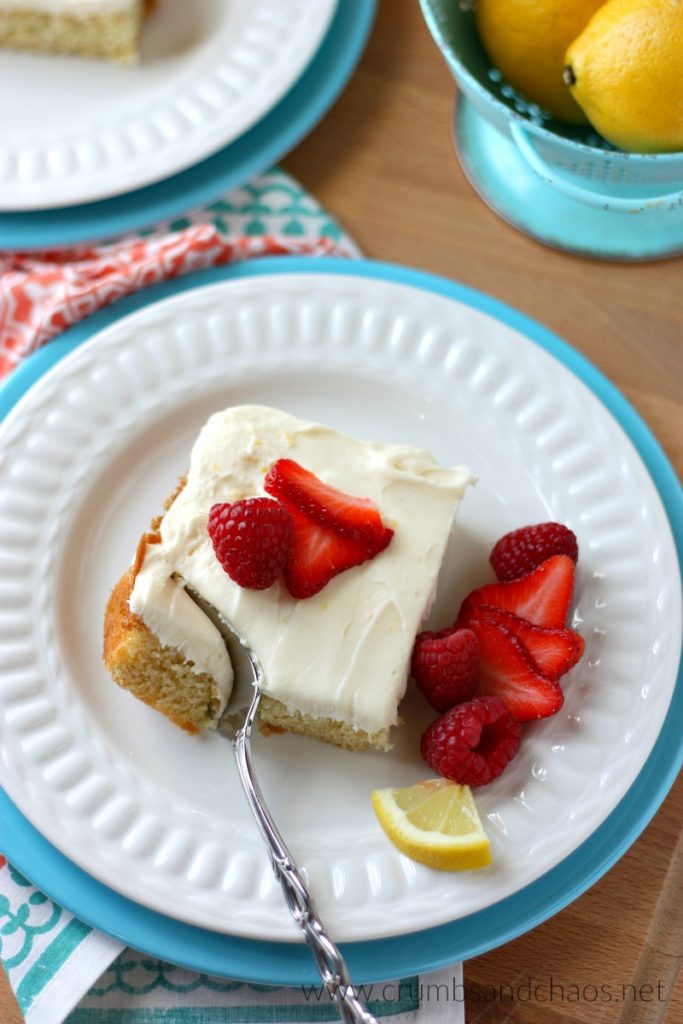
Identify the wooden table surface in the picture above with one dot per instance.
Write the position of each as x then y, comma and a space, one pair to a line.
383, 162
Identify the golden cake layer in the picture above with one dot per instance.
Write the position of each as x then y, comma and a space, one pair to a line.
106, 34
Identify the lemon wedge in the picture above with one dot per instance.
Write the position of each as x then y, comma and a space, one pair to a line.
435, 823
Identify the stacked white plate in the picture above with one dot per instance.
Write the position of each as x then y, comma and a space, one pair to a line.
224, 89
389, 354
80, 130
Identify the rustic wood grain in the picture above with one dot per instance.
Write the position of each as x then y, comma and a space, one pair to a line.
383, 162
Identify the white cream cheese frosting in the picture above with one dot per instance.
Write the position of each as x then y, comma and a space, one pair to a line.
345, 652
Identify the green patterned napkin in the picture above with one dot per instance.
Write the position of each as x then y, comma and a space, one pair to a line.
52, 959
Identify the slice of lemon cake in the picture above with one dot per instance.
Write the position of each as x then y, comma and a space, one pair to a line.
323, 553
108, 29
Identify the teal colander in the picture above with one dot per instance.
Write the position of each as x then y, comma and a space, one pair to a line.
561, 183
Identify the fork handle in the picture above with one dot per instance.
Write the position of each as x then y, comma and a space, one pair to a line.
329, 960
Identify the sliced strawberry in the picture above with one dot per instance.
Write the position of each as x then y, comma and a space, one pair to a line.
298, 488
320, 553
506, 670
542, 597
554, 651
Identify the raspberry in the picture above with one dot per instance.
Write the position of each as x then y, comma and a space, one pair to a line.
520, 551
445, 665
253, 539
472, 743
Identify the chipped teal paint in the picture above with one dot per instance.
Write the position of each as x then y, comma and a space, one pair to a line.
49, 962
554, 181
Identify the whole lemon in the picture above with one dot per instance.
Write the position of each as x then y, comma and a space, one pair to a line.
626, 72
527, 40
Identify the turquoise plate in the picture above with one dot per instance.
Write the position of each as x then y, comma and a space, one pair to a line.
291, 964
251, 154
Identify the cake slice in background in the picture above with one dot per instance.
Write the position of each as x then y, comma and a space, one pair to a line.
336, 663
108, 29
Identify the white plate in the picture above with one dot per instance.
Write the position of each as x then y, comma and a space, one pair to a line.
77, 130
88, 456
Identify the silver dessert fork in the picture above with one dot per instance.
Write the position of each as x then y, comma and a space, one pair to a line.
329, 960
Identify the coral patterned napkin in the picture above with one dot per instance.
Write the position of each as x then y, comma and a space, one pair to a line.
43, 294
59, 968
